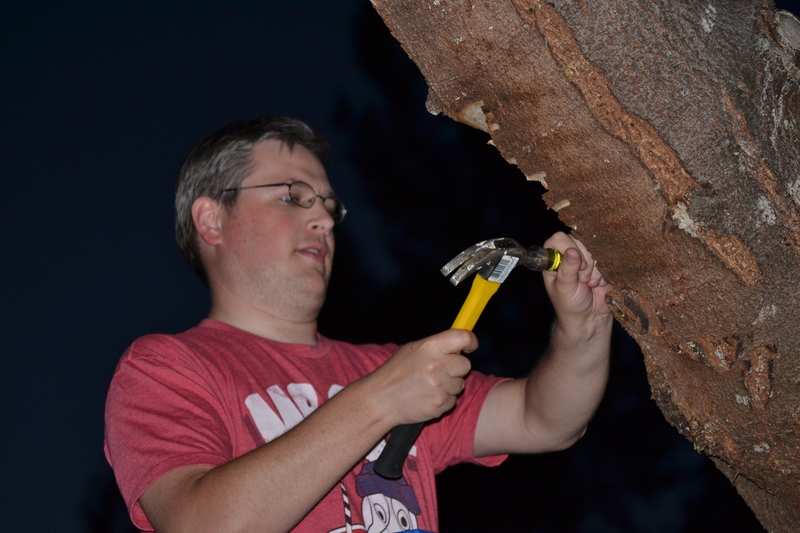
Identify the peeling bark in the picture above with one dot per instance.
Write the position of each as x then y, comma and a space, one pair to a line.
666, 134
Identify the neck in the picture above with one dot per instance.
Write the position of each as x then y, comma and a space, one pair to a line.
266, 323
277, 330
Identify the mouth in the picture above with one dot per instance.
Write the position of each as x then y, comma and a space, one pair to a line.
316, 252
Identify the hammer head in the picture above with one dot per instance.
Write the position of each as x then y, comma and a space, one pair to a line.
495, 258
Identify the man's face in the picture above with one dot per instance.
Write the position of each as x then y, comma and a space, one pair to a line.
274, 253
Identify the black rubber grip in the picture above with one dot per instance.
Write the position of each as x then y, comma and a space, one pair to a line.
390, 463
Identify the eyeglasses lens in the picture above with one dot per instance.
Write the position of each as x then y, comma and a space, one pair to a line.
336, 209
304, 196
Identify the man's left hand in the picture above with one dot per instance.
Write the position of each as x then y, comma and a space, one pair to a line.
577, 289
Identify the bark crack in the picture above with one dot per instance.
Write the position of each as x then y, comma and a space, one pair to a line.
652, 150
784, 208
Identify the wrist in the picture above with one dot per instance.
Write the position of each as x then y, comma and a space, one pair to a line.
377, 400
579, 331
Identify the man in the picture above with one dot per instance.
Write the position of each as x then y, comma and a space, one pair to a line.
253, 421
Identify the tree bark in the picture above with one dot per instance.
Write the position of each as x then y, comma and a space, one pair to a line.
666, 136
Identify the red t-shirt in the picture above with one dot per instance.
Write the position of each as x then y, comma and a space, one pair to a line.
214, 393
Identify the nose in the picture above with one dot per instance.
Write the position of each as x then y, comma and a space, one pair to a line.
319, 219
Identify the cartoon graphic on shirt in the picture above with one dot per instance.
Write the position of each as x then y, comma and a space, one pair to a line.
388, 505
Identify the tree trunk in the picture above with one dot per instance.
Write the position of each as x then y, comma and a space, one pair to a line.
666, 136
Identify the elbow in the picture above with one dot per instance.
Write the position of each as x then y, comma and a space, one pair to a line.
567, 440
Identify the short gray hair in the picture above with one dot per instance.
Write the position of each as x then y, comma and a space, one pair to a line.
222, 160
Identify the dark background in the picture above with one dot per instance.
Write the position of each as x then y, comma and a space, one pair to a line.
100, 104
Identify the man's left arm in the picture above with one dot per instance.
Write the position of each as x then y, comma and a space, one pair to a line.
550, 408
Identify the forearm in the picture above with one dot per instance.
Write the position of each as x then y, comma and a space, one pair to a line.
549, 409
273, 487
563, 391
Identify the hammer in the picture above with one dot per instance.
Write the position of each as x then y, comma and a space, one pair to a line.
493, 260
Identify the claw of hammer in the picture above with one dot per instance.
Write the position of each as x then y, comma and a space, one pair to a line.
493, 259
503, 253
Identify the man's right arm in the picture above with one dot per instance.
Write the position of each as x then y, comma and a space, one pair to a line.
274, 486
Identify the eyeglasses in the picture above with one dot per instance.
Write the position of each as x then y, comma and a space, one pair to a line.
303, 195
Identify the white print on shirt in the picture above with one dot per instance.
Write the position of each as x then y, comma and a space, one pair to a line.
292, 411
387, 506
303, 403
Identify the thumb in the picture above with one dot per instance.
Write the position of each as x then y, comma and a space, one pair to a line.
568, 272
459, 340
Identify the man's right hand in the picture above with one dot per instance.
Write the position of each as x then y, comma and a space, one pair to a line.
423, 379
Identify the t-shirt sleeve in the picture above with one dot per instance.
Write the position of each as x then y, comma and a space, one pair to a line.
452, 437
161, 414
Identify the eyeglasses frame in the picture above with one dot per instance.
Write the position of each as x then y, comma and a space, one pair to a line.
289, 185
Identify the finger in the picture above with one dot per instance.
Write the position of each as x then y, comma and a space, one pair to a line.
590, 268
459, 367
457, 341
456, 386
569, 271
588, 272
594, 275
584, 251
597, 282
560, 241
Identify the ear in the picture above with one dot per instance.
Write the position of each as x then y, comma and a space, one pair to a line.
206, 214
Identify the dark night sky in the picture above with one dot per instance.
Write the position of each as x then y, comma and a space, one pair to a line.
101, 102
100, 105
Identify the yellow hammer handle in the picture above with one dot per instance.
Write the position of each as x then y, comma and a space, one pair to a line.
390, 462
480, 293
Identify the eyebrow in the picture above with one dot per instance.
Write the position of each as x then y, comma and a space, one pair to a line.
331, 193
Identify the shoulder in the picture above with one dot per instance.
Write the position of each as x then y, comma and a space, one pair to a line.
164, 353
207, 337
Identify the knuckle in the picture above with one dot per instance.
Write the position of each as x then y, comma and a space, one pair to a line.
431, 368
461, 334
